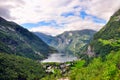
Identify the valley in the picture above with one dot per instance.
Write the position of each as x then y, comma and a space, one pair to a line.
70, 42
59, 45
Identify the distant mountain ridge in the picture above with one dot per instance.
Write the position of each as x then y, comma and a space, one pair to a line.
71, 42
15, 39
46, 38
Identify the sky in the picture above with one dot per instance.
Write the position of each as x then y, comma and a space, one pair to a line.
53, 17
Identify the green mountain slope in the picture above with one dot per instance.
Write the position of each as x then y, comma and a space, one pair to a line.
18, 68
108, 38
109, 69
105, 46
17, 40
71, 42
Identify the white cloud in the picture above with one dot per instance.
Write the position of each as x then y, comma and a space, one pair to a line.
102, 8
33, 11
39, 10
73, 25
48, 30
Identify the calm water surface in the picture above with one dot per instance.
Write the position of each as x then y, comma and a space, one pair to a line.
59, 57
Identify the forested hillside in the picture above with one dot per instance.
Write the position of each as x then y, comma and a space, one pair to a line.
106, 48
17, 40
108, 38
19, 68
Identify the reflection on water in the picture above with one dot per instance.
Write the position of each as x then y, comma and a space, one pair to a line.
59, 57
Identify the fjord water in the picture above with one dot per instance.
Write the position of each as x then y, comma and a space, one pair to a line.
59, 57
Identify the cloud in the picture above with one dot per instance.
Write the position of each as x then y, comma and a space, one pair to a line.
71, 26
6, 6
102, 8
49, 30
66, 14
4, 12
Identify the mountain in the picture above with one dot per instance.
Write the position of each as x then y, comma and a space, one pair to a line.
17, 40
105, 47
71, 42
46, 38
108, 38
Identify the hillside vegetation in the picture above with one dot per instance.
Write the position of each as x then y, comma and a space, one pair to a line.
106, 48
17, 40
18, 68
108, 38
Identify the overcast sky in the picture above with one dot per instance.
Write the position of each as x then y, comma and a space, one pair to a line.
56, 16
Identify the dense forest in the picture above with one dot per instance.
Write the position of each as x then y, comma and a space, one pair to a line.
19, 68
